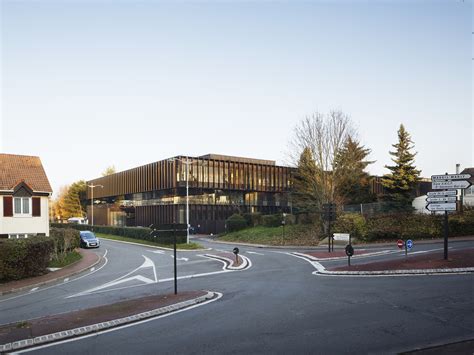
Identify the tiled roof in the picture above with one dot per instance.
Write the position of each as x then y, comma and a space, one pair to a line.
17, 168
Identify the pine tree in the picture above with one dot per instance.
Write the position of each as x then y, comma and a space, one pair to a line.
306, 190
352, 181
400, 183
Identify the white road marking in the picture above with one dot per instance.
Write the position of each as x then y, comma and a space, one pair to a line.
66, 279
254, 252
156, 251
146, 264
219, 295
92, 269
47, 288
180, 259
34, 289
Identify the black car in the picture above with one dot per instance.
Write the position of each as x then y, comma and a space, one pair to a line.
89, 240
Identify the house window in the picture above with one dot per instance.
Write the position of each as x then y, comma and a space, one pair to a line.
22, 206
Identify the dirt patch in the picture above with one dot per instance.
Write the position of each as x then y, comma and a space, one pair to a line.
435, 260
65, 321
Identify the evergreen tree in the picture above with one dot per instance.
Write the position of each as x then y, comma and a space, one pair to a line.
352, 181
400, 183
306, 190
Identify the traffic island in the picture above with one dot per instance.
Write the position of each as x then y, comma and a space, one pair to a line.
458, 259
39, 331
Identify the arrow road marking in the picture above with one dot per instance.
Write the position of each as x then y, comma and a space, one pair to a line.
254, 252
156, 251
182, 259
146, 264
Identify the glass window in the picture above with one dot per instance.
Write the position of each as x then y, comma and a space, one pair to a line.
17, 205
21, 205
26, 205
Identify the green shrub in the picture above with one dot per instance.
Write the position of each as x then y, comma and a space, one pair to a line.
290, 219
404, 226
352, 223
64, 240
272, 220
253, 219
461, 224
235, 222
21, 258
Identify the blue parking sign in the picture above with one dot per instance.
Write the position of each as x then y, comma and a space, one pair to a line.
409, 243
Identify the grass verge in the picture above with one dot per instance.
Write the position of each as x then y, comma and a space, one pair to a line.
68, 259
298, 234
182, 246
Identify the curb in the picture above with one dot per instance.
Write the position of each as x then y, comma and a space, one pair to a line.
321, 270
19, 289
154, 246
76, 332
356, 256
318, 247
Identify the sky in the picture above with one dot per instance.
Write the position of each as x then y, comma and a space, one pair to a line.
90, 84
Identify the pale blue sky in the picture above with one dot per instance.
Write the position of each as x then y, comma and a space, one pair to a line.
88, 84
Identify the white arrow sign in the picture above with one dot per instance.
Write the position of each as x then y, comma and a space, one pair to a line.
452, 184
451, 177
180, 259
442, 193
442, 199
441, 207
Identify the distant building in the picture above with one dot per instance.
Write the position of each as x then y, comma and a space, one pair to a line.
218, 187
24, 200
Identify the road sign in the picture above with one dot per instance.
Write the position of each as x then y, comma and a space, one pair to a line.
442, 199
349, 250
409, 244
449, 206
442, 193
235, 251
451, 184
451, 177
341, 236
400, 243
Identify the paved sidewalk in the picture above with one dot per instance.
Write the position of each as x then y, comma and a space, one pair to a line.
89, 259
39, 331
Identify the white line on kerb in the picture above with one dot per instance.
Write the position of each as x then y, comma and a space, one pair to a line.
47, 288
219, 295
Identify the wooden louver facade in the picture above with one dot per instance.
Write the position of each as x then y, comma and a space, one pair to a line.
218, 186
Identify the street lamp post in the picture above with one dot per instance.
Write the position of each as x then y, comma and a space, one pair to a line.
92, 202
186, 162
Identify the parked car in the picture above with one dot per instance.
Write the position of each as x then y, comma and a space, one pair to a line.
89, 240
77, 220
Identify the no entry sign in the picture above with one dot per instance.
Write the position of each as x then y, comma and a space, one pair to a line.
400, 243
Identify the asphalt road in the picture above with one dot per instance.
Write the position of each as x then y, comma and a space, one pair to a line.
276, 306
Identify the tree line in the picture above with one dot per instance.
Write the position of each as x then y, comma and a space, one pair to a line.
332, 166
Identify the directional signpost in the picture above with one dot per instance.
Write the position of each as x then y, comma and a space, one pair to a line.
446, 200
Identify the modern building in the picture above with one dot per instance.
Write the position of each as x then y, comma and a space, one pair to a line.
218, 186
25, 191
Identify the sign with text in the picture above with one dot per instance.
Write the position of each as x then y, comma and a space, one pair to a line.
451, 184
451, 177
442, 199
341, 236
442, 193
449, 206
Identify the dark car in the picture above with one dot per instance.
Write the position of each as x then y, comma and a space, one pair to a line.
89, 240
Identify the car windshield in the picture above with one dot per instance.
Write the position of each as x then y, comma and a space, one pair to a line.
88, 235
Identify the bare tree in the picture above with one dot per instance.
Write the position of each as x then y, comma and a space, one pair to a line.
322, 136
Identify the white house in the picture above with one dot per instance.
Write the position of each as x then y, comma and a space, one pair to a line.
24, 197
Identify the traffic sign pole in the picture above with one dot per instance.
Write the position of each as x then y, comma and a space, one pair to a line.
446, 232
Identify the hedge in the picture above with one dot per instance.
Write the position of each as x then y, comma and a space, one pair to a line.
21, 258
163, 234
272, 220
235, 222
253, 219
404, 226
